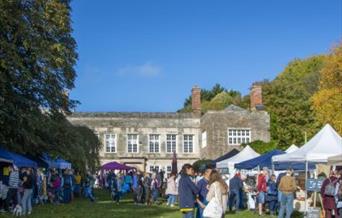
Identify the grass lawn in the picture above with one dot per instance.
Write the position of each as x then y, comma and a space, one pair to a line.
104, 207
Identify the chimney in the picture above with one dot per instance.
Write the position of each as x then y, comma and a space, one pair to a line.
256, 97
196, 100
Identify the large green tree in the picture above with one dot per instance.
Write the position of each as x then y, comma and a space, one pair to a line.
37, 58
287, 99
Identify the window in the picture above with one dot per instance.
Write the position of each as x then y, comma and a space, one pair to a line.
238, 136
154, 168
154, 143
110, 143
204, 139
188, 144
171, 143
132, 143
168, 169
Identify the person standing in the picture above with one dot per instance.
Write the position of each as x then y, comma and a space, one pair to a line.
235, 187
188, 191
287, 186
155, 188
328, 195
89, 183
203, 191
171, 190
26, 201
272, 195
147, 188
77, 184
218, 189
261, 188
67, 186
338, 195
13, 185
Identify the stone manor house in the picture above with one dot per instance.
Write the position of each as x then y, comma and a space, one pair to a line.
148, 140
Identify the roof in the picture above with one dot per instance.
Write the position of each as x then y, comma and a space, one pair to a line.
246, 154
326, 143
227, 155
233, 107
172, 115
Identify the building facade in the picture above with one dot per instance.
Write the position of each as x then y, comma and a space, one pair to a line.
148, 140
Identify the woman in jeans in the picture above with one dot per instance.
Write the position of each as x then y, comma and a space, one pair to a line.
27, 197
171, 190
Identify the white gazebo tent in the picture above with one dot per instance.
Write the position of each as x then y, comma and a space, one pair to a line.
326, 143
292, 148
246, 154
335, 160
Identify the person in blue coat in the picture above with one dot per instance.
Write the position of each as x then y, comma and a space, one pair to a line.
188, 191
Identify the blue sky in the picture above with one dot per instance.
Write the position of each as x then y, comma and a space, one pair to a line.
145, 55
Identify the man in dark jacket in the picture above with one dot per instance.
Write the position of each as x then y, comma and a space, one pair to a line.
188, 192
235, 186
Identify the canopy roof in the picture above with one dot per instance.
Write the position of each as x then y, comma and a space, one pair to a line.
115, 166
246, 154
17, 159
58, 163
5, 160
292, 148
335, 160
227, 155
326, 143
264, 160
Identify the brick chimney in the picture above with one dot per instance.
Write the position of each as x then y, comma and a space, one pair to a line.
196, 100
256, 97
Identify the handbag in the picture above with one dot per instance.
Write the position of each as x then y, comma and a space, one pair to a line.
329, 189
213, 209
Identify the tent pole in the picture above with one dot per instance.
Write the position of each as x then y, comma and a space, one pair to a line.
306, 191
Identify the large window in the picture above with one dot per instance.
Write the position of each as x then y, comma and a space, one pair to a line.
188, 144
238, 136
132, 143
154, 143
110, 143
171, 143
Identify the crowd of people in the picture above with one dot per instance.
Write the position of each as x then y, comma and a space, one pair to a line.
22, 188
209, 194
198, 194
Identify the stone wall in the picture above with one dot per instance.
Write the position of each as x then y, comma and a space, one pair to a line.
216, 124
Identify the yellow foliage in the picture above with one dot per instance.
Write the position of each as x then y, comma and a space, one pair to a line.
327, 102
327, 105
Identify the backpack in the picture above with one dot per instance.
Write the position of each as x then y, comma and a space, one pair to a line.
329, 189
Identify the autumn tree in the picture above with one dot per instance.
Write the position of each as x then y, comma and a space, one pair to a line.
327, 102
287, 99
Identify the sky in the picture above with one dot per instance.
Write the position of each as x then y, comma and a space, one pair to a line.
146, 55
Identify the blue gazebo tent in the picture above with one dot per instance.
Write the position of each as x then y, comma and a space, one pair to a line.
58, 163
17, 159
265, 160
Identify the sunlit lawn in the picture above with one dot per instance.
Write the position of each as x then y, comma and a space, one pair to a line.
104, 207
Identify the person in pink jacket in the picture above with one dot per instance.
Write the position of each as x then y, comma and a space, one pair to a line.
171, 190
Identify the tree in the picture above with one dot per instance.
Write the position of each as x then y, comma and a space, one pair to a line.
37, 58
216, 99
327, 102
287, 99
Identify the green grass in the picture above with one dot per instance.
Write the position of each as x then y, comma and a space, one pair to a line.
104, 207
